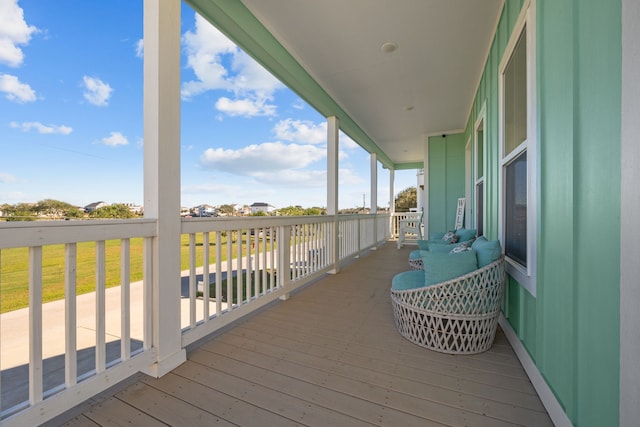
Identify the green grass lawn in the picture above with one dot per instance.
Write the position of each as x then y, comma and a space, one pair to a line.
14, 272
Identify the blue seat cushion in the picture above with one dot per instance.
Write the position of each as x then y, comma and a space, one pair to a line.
440, 267
487, 251
407, 280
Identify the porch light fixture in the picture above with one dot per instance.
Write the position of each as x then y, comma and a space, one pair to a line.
389, 47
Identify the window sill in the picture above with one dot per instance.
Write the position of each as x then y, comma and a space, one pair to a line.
521, 275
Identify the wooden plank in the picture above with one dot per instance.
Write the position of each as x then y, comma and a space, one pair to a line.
212, 400
408, 395
361, 409
115, 412
167, 408
292, 407
80, 421
511, 376
521, 393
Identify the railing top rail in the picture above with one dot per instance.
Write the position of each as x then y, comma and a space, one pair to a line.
39, 233
196, 225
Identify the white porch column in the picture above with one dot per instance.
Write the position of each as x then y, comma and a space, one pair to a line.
374, 183
425, 192
333, 127
393, 229
374, 195
629, 227
162, 175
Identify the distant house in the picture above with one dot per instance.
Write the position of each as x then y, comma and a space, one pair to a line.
261, 207
134, 208
205, 210
93, 206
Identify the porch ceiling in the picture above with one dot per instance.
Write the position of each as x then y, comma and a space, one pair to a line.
395, 99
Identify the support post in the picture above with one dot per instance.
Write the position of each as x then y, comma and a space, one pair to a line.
393, 229
162, 176
333, 127
374, 196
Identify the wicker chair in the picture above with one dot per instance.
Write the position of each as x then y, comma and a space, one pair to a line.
459, 316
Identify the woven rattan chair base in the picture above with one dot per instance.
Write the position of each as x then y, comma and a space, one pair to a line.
459, 316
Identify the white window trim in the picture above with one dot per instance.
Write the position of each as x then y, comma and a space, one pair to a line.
527, 18
468, 182
481, 119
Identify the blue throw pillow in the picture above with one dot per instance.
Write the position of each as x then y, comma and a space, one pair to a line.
423, 245
466, 234
440, 267
443, 247
488, 251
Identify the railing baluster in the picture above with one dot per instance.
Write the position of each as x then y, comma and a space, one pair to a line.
70, 314
35, 324
239, 277
265, 283
125, 299
256, 265
205, 276
192, 280
249, 263
147, 283
218, 274
101, 359
272, 253
229, 271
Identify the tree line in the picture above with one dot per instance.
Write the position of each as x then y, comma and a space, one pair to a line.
56, 209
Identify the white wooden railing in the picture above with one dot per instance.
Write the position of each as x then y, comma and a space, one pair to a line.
395, 222
57, 364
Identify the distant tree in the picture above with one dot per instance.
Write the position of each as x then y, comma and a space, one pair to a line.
56, 209
315, 211
19, 212
291, 211
406, 199
258, 213
226, 209
117, 210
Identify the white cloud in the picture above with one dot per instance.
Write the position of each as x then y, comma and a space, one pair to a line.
40, 128
304, 131
140, 48
96, 91
294, 178
245, 107
218, 64
115, 139
14, 31
267, 157
5, 177
15, 90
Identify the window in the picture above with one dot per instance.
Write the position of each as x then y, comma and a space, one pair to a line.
515, 215
517, 150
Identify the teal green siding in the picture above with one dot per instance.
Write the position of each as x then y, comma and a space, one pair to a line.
570, 328
445, 180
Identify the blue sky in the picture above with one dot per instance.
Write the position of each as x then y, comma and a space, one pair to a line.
71, 116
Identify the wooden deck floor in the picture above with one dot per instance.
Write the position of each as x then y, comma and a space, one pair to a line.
329, 356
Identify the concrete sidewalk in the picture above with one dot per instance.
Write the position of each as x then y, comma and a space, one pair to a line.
14, 325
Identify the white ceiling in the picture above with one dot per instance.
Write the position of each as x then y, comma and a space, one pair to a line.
442, 47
